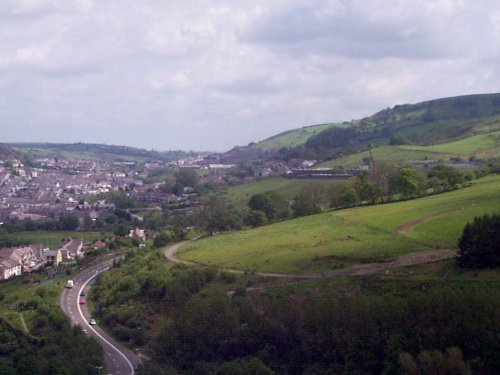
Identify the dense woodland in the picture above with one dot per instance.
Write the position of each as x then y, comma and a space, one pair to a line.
48, 345
190, 325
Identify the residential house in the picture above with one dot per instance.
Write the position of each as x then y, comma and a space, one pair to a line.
72, 248
53, 257
138, 233
24, 256
9, 268
98, 245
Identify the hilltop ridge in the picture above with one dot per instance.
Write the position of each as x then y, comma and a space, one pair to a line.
426, 123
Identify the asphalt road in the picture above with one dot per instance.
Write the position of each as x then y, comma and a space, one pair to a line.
119, 360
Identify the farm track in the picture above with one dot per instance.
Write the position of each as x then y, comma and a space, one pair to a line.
406, 227
412, 259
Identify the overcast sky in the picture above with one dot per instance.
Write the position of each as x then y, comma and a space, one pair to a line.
209, 75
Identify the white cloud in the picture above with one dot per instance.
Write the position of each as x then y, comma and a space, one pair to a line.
33, 53
212, 74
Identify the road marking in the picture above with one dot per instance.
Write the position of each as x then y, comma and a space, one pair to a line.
97, 333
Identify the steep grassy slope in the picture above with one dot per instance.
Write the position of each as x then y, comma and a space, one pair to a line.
481, 146
339, 238
292, 138
423, 124
467, 146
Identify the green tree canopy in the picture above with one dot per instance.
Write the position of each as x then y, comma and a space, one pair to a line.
271, 203
479, 245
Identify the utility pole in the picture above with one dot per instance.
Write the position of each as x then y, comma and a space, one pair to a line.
372, 163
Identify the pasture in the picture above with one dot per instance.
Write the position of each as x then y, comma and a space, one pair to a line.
291, 138
468, 146
50, 239
341, 238
386, 154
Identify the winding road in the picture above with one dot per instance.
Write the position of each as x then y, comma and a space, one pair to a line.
412, 259
119, 360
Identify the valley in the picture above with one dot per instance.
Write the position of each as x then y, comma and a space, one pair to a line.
333, 248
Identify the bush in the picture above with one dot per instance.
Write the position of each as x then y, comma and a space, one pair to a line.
479, 245
255, 218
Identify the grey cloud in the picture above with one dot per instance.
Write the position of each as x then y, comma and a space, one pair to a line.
209, 75
351, 34
256, 86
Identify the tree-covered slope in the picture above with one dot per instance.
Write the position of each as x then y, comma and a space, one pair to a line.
428, 123
423, 124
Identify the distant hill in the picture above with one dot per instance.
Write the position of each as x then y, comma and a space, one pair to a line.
423, 124
291, 138
95, 151
7, 152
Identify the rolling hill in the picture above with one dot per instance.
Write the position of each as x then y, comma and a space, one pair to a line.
94, 151
7, 152
358, 235
291, 138
463, 126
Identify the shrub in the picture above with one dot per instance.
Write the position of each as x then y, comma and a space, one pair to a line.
479, 245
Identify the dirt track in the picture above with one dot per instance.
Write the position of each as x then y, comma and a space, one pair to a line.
364, 269
406, 227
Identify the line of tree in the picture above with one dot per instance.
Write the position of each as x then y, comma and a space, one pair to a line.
63, 223
387, 183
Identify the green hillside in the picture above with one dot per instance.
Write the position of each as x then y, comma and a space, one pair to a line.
292, 138
385, 154
467, 146
482, 147
94, 151
7, 152
341, 238
429, 123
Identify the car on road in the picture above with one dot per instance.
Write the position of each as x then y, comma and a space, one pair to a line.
92, 322
82, 294
82, 301
85, 331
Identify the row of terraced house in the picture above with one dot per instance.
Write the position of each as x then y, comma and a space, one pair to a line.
17, 260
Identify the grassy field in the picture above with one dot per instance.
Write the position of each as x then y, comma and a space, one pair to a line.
44, 152
467, 146
387, 154
240, 195
481, 146
359, 235
291, 138
51, 239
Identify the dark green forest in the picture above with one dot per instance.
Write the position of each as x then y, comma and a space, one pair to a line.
52, 346
189, 323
